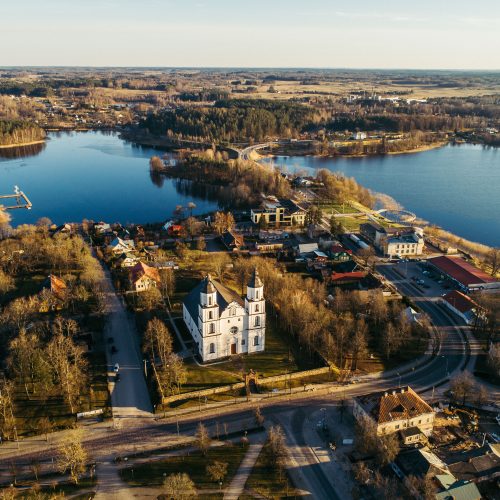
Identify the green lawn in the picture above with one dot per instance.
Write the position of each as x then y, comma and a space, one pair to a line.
265, 481
194, 464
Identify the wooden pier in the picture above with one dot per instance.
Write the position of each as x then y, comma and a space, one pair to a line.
22, 201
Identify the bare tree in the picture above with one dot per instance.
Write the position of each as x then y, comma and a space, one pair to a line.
462, 386
72, 456
275, 448
158, 341
217, 471
493, 260
202, 439
179, 487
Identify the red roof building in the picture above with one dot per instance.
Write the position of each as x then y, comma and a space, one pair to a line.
465, 274
462, 305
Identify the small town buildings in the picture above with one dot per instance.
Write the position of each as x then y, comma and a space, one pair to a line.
53, 294
221, 323
421, 463
102, 228
465, 275
144, 277
412, 436
476, 465
462, 306
119, 246
281, 212
126, 260
232, 240
347, 278
454, 489
359, 136
393, 242
395, 410
340, 254
303, 249
268, 246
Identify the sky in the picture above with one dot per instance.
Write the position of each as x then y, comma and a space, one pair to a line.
427, 34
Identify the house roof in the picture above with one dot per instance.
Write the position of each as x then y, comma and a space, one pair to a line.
230, 238
420, 463
339, 249
356, 275
118, 242
56, 285
460, 270
460, 301
393, 405
410, 431
255, 281
141, 269
224, 296
460, 490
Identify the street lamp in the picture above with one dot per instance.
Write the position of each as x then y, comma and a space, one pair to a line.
399, 383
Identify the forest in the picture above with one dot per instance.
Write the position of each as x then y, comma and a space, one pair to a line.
232, 121
19, 132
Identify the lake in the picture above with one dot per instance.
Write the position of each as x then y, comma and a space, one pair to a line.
455, 187
95, 175
99, 176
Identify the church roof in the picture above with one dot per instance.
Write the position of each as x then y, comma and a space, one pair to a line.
224, 296
255, 281
207, 285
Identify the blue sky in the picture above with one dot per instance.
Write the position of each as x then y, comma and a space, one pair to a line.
437, 34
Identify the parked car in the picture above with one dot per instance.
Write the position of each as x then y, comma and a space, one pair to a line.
116, 368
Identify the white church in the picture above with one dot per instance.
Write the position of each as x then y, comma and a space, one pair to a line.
221, 324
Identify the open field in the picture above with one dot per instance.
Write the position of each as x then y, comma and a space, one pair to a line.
193, 464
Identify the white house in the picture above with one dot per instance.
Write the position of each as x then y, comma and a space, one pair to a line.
221, 323
119, 246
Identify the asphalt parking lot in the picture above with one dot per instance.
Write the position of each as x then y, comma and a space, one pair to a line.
419, 275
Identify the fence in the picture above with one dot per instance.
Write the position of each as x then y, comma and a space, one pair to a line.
241, 385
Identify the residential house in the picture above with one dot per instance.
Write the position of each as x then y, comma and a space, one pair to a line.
232, 240
127, 259
221, 323
395, 410
281, 212
476, 465
340, 254
421, 463
102, 228
453, 489
53, 294
144, 277
119, 246
301, 249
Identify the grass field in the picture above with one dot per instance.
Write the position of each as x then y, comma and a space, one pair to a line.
266, 482
194, 464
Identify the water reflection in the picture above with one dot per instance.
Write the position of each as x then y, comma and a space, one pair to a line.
22, 151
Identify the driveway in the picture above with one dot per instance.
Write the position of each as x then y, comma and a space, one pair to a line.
129, 396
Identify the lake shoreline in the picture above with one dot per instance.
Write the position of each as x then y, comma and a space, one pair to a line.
22, 144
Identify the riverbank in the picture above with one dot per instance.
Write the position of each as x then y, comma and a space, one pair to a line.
22, 144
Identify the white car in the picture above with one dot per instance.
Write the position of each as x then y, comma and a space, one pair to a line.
116, 368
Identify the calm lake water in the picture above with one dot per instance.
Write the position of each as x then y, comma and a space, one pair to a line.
98, 176
455, 187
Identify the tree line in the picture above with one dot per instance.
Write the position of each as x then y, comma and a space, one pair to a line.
19, 132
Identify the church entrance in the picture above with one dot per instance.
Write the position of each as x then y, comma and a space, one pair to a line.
233, 348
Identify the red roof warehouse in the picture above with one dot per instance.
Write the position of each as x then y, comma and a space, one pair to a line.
465, 274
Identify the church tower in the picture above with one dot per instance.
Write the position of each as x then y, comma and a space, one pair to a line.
208, 307
255, 306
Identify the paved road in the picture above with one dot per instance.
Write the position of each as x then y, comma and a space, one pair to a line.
129, 396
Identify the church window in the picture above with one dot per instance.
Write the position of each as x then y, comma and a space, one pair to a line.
234, 330
242, 341
257, 295
257, 321
233, 311
256, 340
210, 315
209, 301
211, 328
256, 307
212, 348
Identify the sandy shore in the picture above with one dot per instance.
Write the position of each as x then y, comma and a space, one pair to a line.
21, 144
